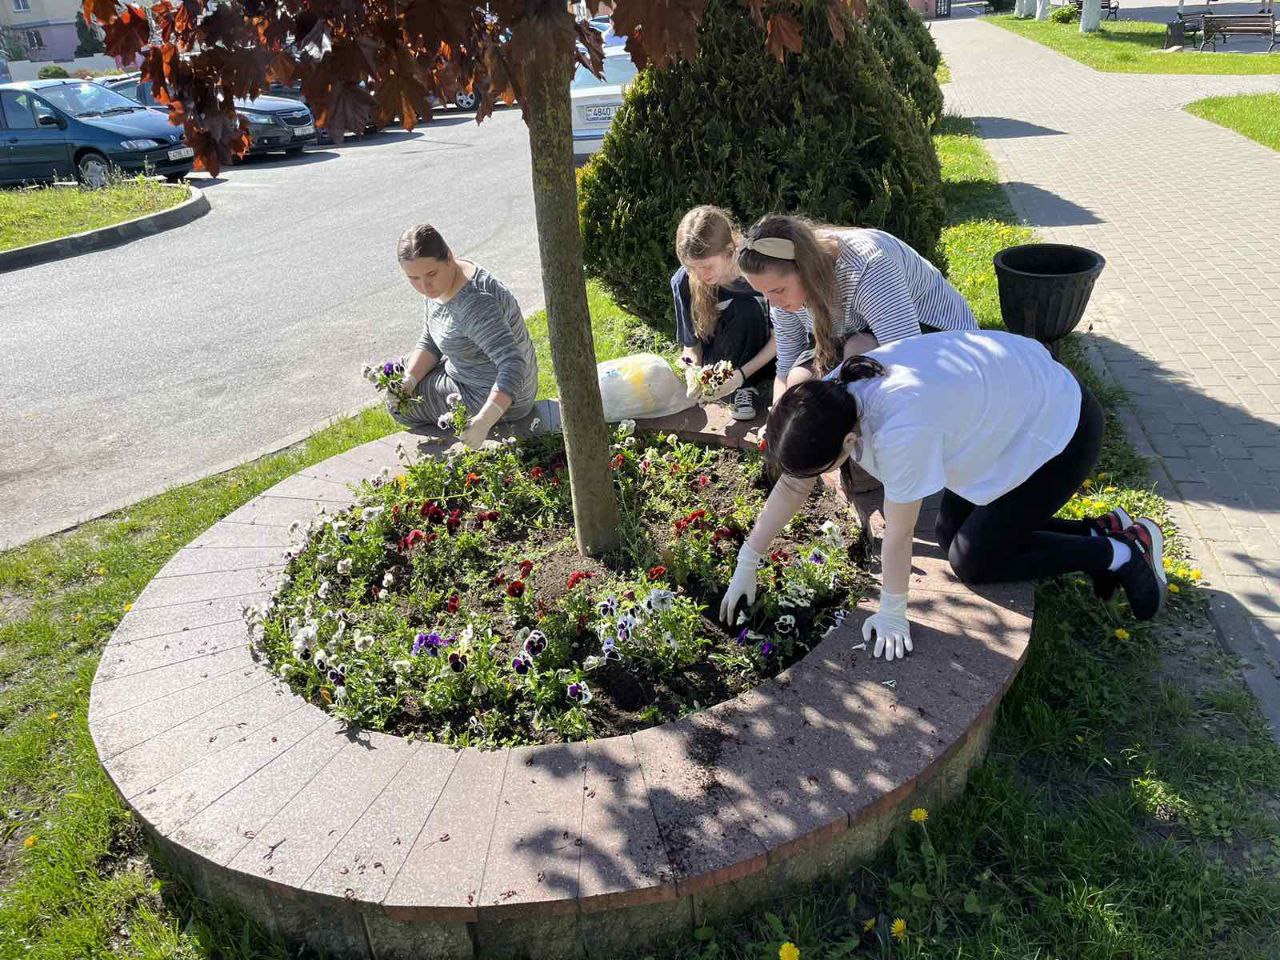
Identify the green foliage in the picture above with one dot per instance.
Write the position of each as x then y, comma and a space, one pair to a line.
52, 72
915, 29
911, 75
90, 42
1256, 115
823, 134
1066, 14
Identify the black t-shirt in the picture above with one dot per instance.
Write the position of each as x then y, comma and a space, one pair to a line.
738, 300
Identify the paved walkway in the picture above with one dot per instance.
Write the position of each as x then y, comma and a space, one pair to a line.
1186, 316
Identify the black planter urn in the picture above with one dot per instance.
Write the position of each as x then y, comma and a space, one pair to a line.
1044, 288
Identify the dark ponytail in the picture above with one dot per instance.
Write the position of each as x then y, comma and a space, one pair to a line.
808, 425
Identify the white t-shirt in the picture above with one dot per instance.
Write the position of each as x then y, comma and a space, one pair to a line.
974, 412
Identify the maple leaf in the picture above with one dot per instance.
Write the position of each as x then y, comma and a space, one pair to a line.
589, 50
663, 30
344, 107
835, 19
104, 11
401, 93
783, 36
127, 34
756, 9
440, 21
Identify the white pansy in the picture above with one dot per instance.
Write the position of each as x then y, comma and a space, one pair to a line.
832, 533
323, 590
660, 601
342, 628
389, 579
591, 662
672, 439
445, 421
628, 427
452, 400
344, 566
320, 658
369, 513
382, 594
295, 527
786, 623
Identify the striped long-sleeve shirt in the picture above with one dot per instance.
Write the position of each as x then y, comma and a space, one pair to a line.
481, 336
883, 286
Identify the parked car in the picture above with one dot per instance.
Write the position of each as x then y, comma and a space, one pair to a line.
605, 26
596, 101
294, 92
275, 123
59, 129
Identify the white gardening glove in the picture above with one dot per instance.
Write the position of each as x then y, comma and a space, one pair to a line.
479, 426
891, 627
692, 390
735, 382
742, 586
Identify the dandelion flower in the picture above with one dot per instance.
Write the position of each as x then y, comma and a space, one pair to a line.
899, 929
788, 951
919, 815
1174, 588
869, 924
1196, 574
1122, 633
53, 716
29, 842
128, 607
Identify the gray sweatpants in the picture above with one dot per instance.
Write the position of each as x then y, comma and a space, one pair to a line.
430, 402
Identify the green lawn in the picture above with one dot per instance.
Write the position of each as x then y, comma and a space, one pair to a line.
46, 213
1127, 809
1256, 115
1132, 46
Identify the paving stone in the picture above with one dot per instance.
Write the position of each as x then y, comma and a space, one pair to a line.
536, 844
235, 536
204, 586
302, 487
225, 827
115, 696
180, 617
623, 860
441, 879
366, 860
117, 732
126, 658
338, 471
198, 560
211, 732
375, 455
399, 940
706, 838
175, 800
304, 832
281, 511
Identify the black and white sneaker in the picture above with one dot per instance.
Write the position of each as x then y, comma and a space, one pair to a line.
1112, 524
1143, 577
745, 401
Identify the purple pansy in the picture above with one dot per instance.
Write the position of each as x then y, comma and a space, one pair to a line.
457, 662
428, 642
766, 649
535, 643
520, 664
742, 637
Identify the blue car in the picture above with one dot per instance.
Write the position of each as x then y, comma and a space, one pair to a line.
59, 129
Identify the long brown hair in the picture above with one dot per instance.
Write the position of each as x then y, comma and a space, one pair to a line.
704, 231
817, 275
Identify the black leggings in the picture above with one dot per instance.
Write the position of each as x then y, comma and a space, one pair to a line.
738, 341
1015, 537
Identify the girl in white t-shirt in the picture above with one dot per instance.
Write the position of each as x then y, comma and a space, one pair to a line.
993, 422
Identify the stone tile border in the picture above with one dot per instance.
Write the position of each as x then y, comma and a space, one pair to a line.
365, 845
194, 207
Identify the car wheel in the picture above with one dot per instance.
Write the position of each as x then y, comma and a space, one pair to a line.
175, 177
93, 170
464, 101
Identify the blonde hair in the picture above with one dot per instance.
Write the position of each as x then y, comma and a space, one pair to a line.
817, 275
704, 231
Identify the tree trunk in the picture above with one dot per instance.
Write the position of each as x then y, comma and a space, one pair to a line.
1042, 9
1021, 8
1090, 16
573, 351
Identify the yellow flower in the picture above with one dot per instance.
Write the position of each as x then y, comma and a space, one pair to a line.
1122, 633
29, 842
128, 607
919, 815
1196, 574
868, 925
402, 480
53, 716
788, 951
899, 929
102, 571
1174, 588
1108, 489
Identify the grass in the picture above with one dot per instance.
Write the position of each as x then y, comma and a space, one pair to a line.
1127, 809
1256, 115
47, 213
943, 73
1132, 46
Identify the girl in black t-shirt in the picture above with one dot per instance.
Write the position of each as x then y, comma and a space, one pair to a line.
718, 315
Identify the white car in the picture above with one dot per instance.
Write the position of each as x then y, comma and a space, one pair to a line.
596, 101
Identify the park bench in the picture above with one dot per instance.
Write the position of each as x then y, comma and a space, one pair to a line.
1110, 8
1238, 25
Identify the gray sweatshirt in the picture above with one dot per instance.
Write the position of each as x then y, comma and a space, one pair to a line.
481, 336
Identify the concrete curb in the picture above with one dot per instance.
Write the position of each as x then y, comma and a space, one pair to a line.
194, 207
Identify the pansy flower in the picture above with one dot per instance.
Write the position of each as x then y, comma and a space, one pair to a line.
521, 664
526, 566
817, 556
535, 643
537, 473
428, 643
766, 649
577, 577
657, 572
617, 462
608, 607
579, 692
515, 588
786, 623
457, 662
452, 604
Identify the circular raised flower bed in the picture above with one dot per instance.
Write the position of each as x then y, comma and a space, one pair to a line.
450, 602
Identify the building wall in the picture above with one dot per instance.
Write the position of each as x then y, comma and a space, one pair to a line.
54, 20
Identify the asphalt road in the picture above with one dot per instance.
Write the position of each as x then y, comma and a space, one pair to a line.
126, 371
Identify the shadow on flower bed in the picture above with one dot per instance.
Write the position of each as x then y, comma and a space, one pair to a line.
450, 602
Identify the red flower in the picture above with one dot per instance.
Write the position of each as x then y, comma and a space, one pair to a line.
675, 468
395, 510
430, 537
658, 572
630, 595
616, 462
536, 473
515, 588
577, 577
780, 557
492, 515
413, 537
582, 622
525, 567
722, 533
454, 521
762, 444
432, 512
471, 478
555, 481
454, 602
703, 481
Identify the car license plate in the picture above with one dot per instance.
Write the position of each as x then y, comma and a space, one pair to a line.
306, 130
182, 153
602, 113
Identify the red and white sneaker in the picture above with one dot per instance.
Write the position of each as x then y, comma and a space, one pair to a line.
1112, 524
1143, 577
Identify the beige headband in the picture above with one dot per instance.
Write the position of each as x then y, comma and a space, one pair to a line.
779, 248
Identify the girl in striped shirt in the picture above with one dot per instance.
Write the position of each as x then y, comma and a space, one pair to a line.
852, 289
